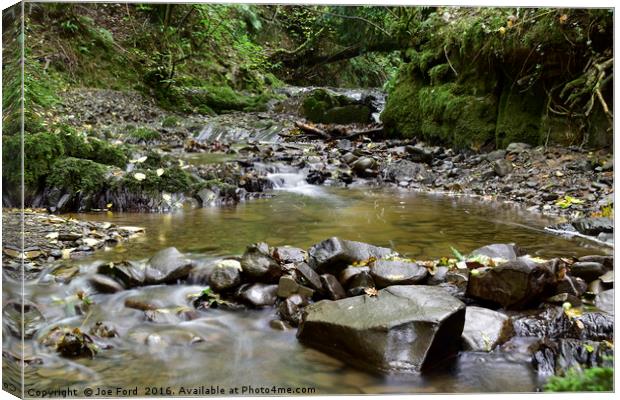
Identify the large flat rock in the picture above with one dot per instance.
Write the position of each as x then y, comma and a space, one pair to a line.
402, 329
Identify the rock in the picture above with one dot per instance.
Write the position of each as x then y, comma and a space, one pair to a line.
349, 114
387, 273
278, 325
69, 236
563, 298
259, 295
502, 167
349, 272
517, 147
405, 170
605, 301
22, 325
129, 273
608, 166
484, 329
259, 265
334, 254
553, 323
438, 276
588, 271
419, 155
558, 357
359, 283
167, 266
201, 273
496, 155
288, 255
290, 310
571, 285
226, 275
508, 252
514, 284
70, 342
364, 166
593, 226
103, 330
607, 261
308, 274
105, 284
287, 286
607, 278
332, 288
402, 329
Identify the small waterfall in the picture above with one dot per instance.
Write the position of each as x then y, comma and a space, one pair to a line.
289, 179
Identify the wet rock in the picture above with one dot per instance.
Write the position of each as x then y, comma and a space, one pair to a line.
563, 298
259, 295
167, 266
437, 276
485, 329
605, 301
405, 170
290, 310
402, 329
364, 166
607, 261
555, 323
312, 278
279, 325
558, 357
349, 272
103, 330
593, 226
332, 288
105, 284
571, 285
200, 274
588, 271
508, 252
359, 283
514, 284
334, 254
65, 273
288, 255
19, 324
70, 342
226, 275
287, 286
258, 264
387, 273
502, 167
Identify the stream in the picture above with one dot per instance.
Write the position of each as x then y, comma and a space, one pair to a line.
230, 349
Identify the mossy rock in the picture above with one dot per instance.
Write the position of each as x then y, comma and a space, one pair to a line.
78, 175
355, 113
173, 180
144, 135
323, 106
519, 117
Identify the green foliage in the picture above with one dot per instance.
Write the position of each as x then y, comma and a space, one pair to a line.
144, 134
173, 180
597, 379
170, 121
78, 175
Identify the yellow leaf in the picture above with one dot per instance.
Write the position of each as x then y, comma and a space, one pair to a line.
139, 176
160, 171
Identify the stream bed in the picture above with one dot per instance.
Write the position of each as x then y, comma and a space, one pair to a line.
232, 349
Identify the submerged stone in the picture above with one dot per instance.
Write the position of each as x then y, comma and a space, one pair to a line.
485, 329
401, 329
167, 266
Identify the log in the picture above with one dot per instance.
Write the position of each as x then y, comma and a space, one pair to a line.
312, 130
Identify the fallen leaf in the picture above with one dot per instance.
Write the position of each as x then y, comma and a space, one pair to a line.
160, 171
139, 176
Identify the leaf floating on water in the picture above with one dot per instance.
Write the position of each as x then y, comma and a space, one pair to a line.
139, 176
160, 171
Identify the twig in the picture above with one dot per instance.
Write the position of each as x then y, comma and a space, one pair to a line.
445, 51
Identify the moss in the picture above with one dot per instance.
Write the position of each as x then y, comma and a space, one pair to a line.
458, 114
323, 106
519, 117
355, 113
597, 379
173, 180
78, 175
170, 121
144, 134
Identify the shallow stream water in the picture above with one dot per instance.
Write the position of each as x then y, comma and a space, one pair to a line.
231, 349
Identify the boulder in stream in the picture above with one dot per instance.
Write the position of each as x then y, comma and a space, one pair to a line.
334, 254
484, 329
515, 284
401, 329
258, 264
226, 275
167, 266
387, 273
